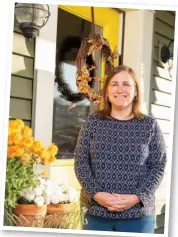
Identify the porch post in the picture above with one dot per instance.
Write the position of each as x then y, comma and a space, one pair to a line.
138, 47
45, 55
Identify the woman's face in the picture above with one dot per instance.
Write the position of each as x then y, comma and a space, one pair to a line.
121, 90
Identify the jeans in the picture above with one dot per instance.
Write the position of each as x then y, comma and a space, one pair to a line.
138, 225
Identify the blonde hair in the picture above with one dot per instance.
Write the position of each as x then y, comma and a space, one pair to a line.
106, 105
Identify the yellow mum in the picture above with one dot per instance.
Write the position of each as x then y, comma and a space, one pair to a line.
45, 161
53, 149
52, 159
37, 146
43, 153
27, 142
19, 151
14, 139
26, 132
15, 127
20, 123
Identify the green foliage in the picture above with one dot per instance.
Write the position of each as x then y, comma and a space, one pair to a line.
18, 177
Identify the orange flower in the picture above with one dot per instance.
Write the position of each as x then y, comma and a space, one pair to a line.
52, 159
43, 153
26, 142
11, 152
14, 151
53, 149
45, 161
37, 146
14, 139
14, 127
26, 132
19, 151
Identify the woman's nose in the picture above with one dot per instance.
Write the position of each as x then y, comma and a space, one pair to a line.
119, 88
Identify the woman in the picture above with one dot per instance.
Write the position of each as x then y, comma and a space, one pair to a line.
120, 159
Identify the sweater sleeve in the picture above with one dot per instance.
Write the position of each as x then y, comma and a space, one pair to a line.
82, 165
155, 164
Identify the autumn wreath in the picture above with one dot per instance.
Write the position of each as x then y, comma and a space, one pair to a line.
89, 45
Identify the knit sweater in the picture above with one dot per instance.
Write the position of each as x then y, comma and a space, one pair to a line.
120, 156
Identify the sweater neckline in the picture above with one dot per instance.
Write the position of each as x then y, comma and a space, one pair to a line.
122, 120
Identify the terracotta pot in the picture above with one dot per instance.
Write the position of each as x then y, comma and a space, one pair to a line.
59, 216
29, 215
62, 208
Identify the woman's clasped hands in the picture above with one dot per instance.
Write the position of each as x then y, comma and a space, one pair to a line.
116, 202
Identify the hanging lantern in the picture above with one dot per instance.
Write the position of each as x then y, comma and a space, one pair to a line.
31, 18
165, 52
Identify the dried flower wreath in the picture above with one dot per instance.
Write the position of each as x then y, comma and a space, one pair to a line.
70, 42
89, 45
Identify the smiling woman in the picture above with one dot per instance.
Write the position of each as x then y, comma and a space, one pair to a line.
120, 159
122, 91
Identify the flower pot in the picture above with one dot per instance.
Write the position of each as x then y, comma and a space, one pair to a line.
29, 215
59, 216
61, 208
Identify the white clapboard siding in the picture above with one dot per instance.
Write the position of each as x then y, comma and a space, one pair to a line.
161, 72
164, 29
164, 125
166, 17
161, 84
160, 98
161, 193
159, 38
163, 182
160, 112
156, 54
166, 138
23, 46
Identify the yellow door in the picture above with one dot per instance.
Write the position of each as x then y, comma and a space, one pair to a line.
109, 20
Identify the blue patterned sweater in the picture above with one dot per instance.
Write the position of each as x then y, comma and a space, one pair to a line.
120, 156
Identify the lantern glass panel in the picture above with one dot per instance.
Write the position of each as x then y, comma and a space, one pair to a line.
31, 13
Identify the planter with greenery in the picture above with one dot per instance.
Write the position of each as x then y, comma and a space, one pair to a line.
23, 154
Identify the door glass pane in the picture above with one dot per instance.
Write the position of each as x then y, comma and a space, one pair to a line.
70, 113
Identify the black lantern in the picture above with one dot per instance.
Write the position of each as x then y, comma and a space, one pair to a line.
165, 53
31, 18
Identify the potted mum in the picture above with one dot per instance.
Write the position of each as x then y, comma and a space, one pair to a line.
60, 197
62, 203
24, 153
31, 208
